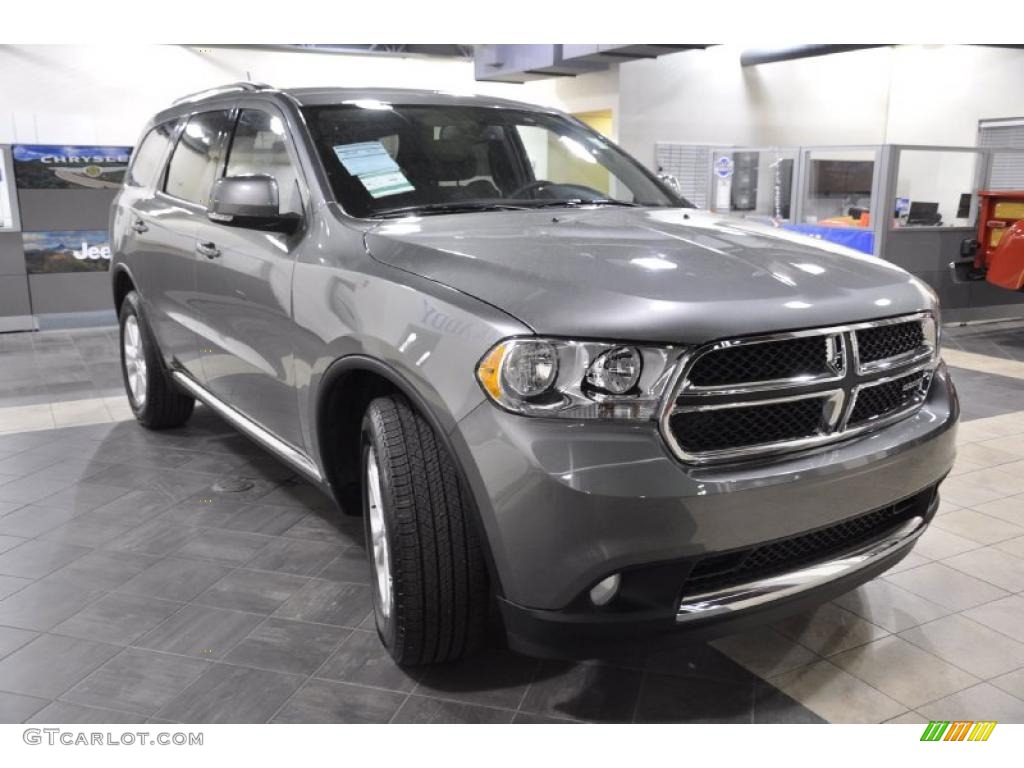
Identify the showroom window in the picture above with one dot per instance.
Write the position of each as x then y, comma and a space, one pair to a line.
198, 157
259, 145
149, 157
839, 188
934, 188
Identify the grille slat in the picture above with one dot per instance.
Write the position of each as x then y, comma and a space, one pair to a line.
769, 361
712, 430
886, 341
726, 569
886, 399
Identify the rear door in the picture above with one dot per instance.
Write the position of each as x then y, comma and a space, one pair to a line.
179, 207
244, 284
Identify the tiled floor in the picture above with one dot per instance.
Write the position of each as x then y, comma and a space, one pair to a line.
132, 588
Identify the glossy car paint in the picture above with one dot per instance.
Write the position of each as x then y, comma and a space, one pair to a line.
562, 503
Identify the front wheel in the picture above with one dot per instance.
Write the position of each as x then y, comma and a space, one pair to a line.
430, 593
154, 399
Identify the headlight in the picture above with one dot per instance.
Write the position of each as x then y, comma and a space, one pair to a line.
577, 379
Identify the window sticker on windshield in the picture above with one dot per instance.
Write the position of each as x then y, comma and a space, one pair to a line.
370, 162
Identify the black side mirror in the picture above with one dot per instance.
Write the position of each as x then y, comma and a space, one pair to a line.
250, 201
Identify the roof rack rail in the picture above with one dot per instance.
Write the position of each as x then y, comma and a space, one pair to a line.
218, 90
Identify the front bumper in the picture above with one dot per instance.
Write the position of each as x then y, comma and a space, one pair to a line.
565, 504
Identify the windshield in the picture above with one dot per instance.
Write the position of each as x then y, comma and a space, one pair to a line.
386, 159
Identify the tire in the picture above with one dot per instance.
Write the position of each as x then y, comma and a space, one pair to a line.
430, 593
155, 401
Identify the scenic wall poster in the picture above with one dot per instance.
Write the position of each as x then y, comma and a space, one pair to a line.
49, 166
66, 251
6, 214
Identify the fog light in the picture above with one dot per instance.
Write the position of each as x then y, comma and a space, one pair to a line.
605, 590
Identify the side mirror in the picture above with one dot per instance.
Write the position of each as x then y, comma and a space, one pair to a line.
250, 201
670, 181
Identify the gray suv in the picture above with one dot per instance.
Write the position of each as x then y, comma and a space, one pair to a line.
568, 405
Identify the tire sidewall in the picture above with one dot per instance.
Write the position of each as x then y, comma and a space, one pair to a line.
386, 628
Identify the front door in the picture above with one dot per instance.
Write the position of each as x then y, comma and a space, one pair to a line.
244, 287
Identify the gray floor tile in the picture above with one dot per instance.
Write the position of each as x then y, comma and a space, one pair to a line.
342, 531
671, 699
252, 591
35, 559
138, 506
903, 671
836, 695
230, 694
287, 646
87, 531
11, 584
50, 664
889, 606
527, 718
969, 645
83, 496
155, 537
206, 633
986, 698
302, 558
711, 661
10, 542
15, 708
42, 605
31, 520
596, 692
202, 513
420, 709
830, 629
137, 681
1011, 682
976, 526
989, 564
350, 566
946, 586
32, 488
323, 701
362, 659
1006, 616
63, 712
11, 639
118, 619
175, 578
773, 706
268, 520
229, 547
103, 570
492, 678
328, 602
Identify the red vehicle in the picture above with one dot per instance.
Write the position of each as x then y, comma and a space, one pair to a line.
999, 248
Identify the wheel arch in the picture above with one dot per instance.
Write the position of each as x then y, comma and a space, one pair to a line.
345, 389
122, 283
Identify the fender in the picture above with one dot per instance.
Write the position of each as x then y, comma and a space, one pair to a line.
358, 362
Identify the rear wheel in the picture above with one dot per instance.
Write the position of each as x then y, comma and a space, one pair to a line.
154, 399
430, 592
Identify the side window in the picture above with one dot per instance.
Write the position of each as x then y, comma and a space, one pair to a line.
197, 158
148, 159
259, 146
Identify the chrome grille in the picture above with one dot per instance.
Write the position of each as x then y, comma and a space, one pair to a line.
745, 397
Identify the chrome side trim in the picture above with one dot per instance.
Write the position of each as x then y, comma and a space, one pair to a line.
754, 593
287, 453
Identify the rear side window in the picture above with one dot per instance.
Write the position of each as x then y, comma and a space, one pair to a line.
148, 159
198, 157
259, 146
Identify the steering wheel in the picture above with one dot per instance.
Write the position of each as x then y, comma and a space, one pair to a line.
575, 190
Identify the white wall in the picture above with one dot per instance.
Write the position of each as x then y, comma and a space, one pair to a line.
904, 94
104, 94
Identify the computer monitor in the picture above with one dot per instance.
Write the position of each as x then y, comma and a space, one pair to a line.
924, 214
963, 210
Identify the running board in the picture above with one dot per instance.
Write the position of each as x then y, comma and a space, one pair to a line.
282, 450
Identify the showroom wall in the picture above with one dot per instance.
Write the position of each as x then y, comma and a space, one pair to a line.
104, 94
905, 94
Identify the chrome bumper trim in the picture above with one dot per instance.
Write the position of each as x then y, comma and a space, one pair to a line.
284, 451
754, 593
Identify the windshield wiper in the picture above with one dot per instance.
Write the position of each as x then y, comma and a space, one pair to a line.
451, 207
576, 202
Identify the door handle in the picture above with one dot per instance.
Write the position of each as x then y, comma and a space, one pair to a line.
138, 225
208, 249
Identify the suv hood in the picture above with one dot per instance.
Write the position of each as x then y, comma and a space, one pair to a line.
643, 274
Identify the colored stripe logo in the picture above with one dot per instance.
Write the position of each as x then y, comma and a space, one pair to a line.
958, 730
